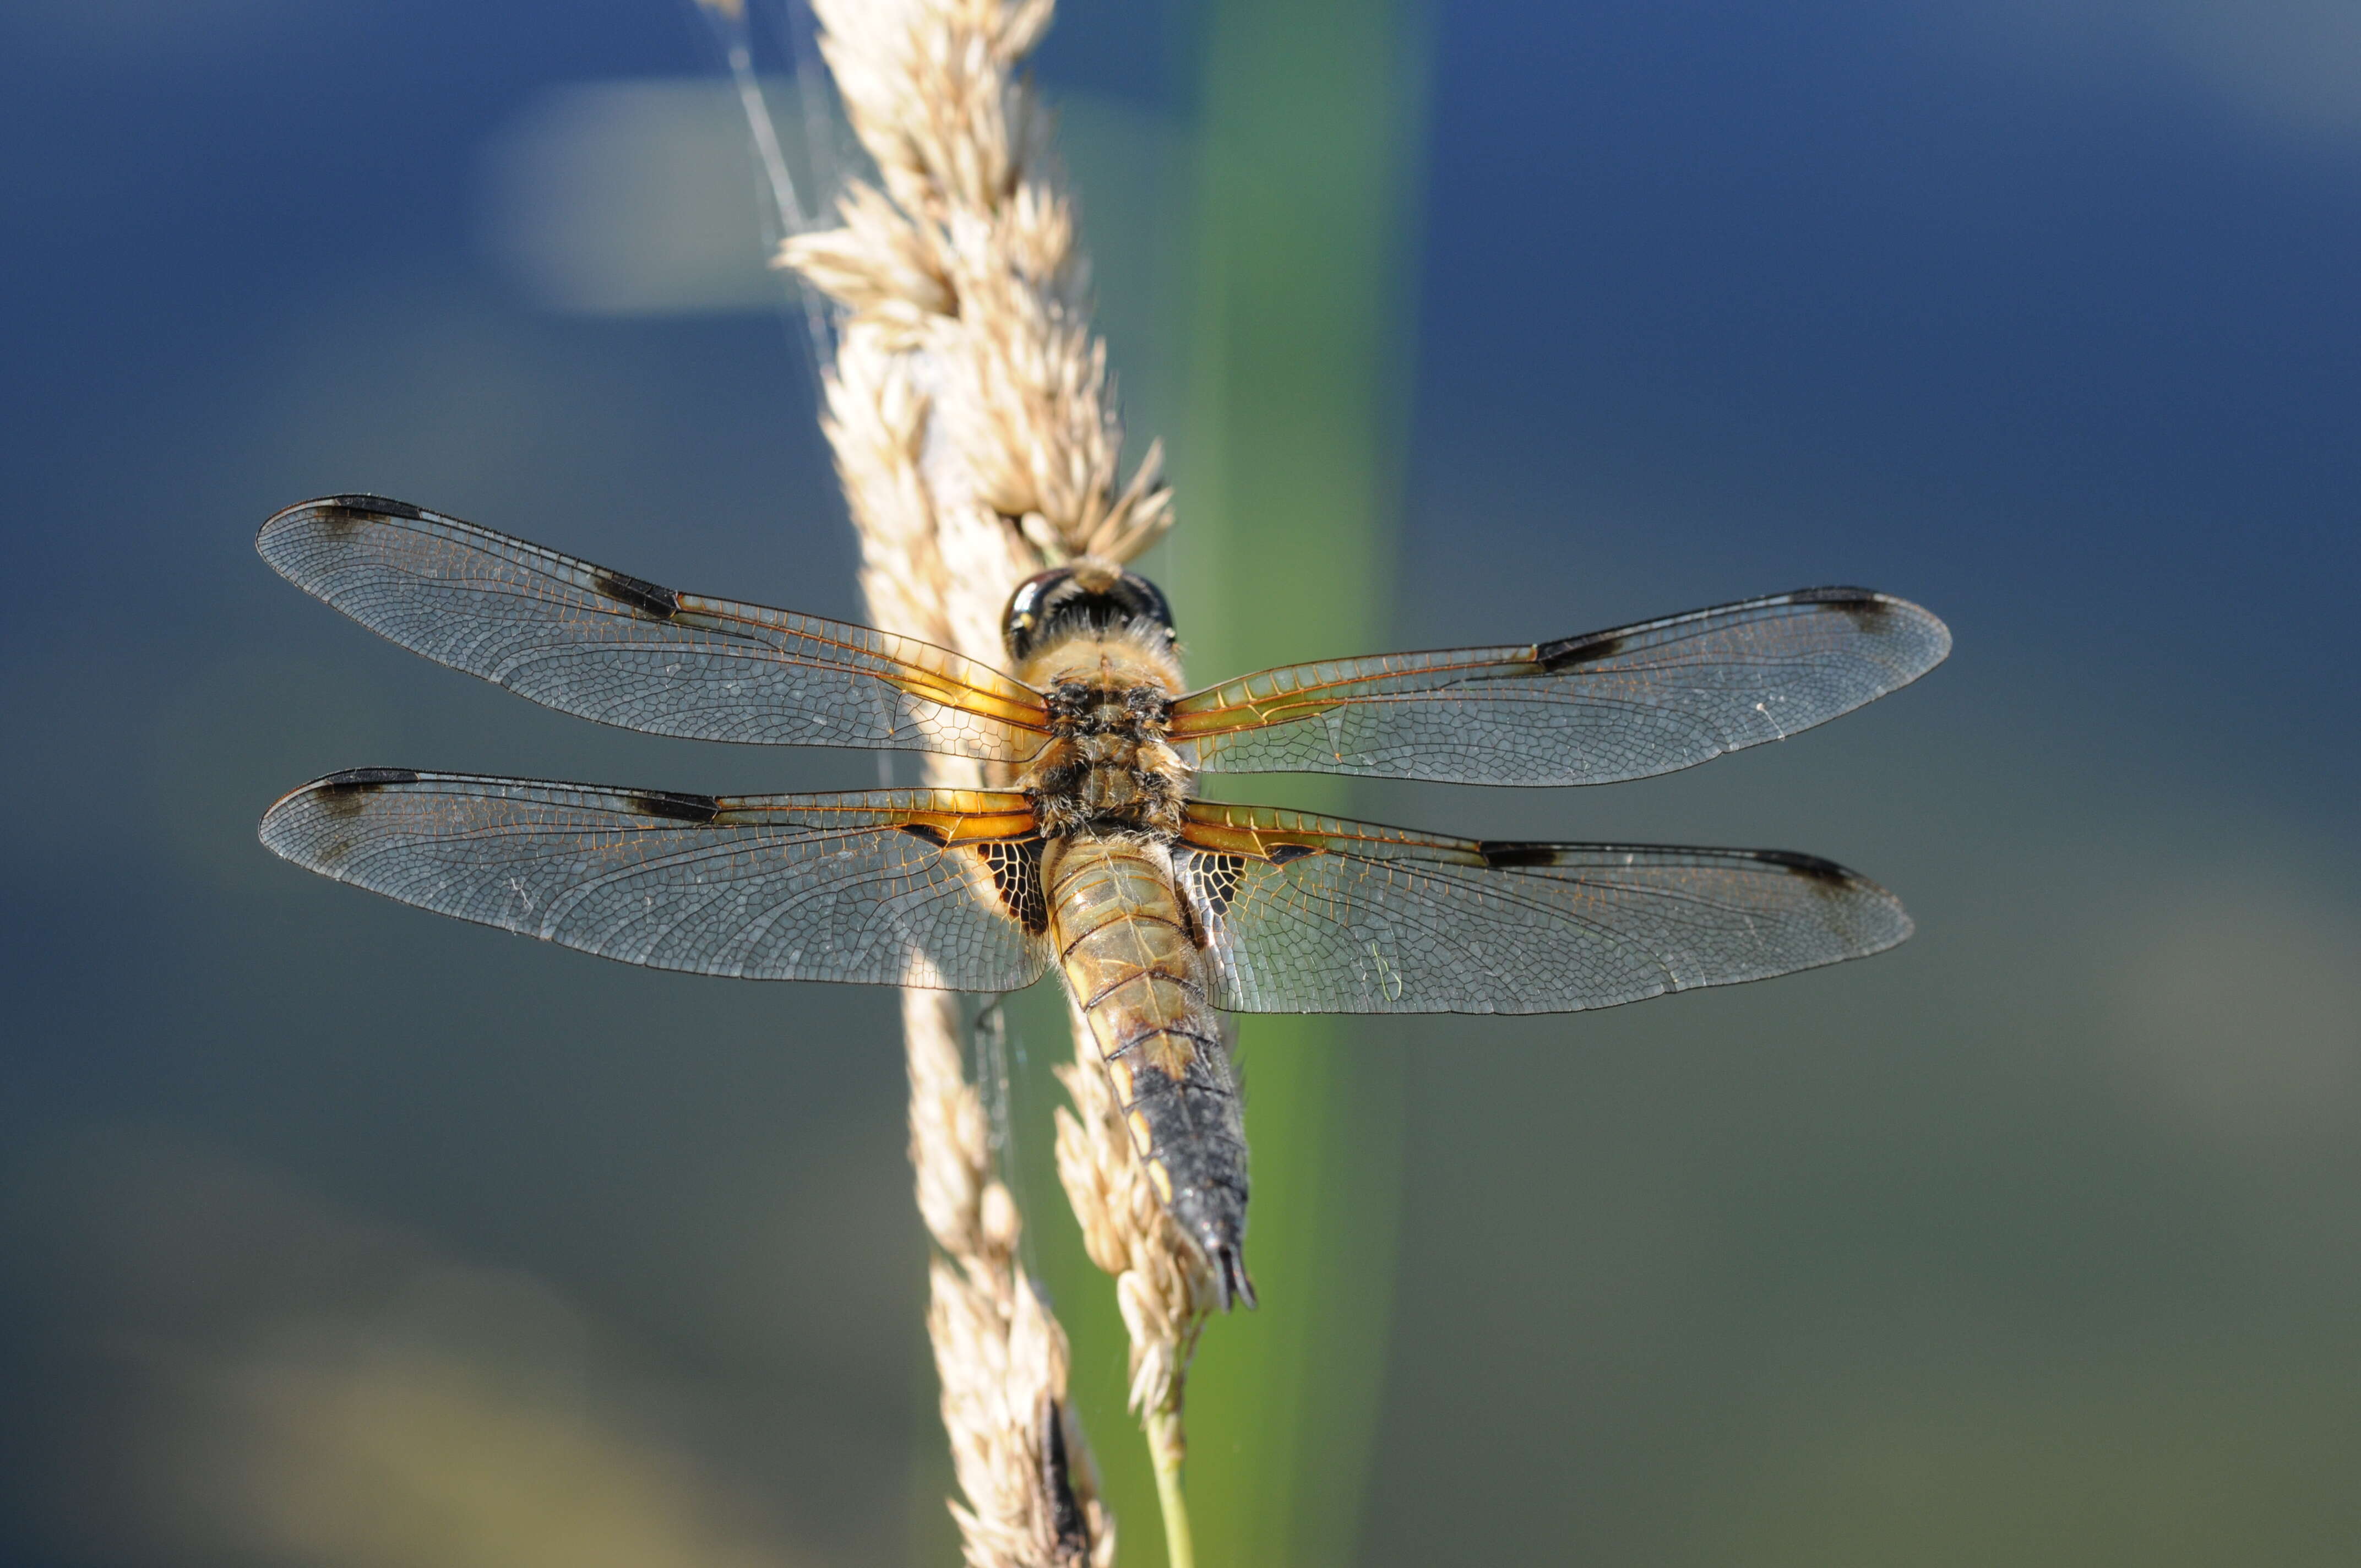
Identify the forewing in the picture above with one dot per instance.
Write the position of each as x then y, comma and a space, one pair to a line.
586, 641
890, 887
1313, 915
1590, 710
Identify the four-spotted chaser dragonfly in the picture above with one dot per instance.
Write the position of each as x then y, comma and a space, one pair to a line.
1092, 853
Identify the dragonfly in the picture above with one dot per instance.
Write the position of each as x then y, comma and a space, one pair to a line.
1092, 853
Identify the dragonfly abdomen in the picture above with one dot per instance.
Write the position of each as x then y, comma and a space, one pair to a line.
1131, 961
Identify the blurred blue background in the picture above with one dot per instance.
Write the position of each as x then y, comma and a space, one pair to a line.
333, 1233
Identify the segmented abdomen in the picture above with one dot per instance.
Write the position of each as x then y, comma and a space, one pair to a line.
1124, 940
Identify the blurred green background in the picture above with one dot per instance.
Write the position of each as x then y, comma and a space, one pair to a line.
332, 1234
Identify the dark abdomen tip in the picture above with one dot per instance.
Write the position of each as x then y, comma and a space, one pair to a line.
1231, 1278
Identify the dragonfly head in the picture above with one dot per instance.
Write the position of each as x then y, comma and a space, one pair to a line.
1084, 595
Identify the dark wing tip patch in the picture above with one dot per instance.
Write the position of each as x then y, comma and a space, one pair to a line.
376, 506
642, 596
342, 794
1867, 609
342, 512
354, 779
1810, 867
338, 513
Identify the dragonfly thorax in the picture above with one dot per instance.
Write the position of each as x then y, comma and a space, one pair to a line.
1107, 767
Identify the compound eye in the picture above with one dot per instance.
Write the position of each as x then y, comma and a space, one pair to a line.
1086, 593
1143, 600
1029, 608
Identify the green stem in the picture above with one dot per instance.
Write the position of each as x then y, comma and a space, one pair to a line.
1166, 1446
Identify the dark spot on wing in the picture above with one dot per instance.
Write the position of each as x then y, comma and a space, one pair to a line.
1867, 609
384, 506
1504, 855
1569, 652
638, 592
367, 778
1282, 853
339, 518
673, 807
1810, 867
1015, 868
343, 512
343, 794
929, 831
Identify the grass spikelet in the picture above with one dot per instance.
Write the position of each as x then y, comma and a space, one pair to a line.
974, 429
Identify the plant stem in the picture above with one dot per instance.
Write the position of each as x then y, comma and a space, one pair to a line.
1166, 1446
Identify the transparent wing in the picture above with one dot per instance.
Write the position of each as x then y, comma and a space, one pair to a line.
1313, 915
586, 641
1590, 710
890, 887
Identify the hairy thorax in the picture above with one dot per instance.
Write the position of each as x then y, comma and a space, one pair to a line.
1107, 768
